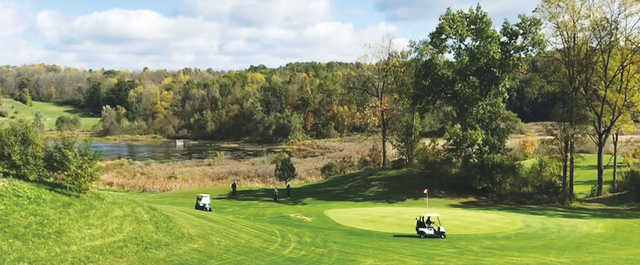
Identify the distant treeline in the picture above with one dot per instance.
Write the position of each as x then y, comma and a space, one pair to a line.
301, 99
298, 99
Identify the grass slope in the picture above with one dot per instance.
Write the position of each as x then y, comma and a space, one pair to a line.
42, 226
133, 228
50, 111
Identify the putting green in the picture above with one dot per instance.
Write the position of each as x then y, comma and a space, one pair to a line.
403, 219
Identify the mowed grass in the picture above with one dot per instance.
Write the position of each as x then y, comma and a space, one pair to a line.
50, 111
343, 220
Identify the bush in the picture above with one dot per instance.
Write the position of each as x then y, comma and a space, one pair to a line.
375, 156
66, 123
4, 114
339, 167
285, 171
631, 182
364, 163
432, 158
74, 164
113, 120
331, 168
406, 139
490, 174
399, 163
22, 147
538, 183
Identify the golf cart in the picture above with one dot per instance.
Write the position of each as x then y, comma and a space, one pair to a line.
428, 225
203, 202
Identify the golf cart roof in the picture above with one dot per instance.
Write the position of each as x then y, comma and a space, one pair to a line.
431, 215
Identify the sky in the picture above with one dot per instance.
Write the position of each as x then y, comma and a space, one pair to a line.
218, 34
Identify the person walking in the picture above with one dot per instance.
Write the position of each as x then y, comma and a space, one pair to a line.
275, 194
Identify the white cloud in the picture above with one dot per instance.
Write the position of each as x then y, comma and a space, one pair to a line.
224, 35
12, 19
256, 13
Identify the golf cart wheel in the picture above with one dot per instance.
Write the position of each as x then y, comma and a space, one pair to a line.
443, 236
209, 209
423, 235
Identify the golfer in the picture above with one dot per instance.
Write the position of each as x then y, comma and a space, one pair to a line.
275, 194
234, 186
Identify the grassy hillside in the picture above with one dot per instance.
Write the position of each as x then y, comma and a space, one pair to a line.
366, 217
42, 226
51, 111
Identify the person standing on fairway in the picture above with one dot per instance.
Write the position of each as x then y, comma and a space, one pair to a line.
275, 194
288, 190
234, 186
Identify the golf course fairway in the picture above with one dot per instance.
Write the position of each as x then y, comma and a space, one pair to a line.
321, 224
402, 219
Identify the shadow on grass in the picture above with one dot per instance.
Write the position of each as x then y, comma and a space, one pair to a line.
553, 211
56, 187
406, 236
75, 110
388, 186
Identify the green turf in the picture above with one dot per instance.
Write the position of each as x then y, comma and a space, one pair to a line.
402, 219
44, 226
50, 111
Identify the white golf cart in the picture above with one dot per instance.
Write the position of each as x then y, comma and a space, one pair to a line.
203, 202
429, 225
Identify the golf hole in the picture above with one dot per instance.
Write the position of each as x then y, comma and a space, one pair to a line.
403, 220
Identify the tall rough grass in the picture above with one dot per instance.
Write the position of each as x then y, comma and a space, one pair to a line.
308, 158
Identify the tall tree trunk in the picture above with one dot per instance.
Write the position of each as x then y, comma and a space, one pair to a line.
565, 162
615, 159
572, 153
600, 145
384, 140
412, 146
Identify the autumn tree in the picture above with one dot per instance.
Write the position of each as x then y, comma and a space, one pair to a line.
378, 76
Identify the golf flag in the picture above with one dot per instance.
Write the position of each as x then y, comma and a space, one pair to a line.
426, 191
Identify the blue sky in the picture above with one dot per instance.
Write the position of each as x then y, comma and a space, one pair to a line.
222, 34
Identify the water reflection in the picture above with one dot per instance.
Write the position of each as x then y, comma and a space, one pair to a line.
170, 151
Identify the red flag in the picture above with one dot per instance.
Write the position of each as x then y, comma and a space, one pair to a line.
426, 191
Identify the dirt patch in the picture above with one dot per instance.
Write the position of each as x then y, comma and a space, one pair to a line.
301, 217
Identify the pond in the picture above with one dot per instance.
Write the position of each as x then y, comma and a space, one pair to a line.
174, 151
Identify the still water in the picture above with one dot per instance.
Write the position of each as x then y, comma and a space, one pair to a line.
172, 151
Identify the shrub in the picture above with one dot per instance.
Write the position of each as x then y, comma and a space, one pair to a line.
631, 182
74, 164
113, 120
490, 174
66, 123
364, 163
406, 138
432, 157
399, 163
339, 167
538, 183
331, 168
22, 147
285, 171
375, 156
4, 114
